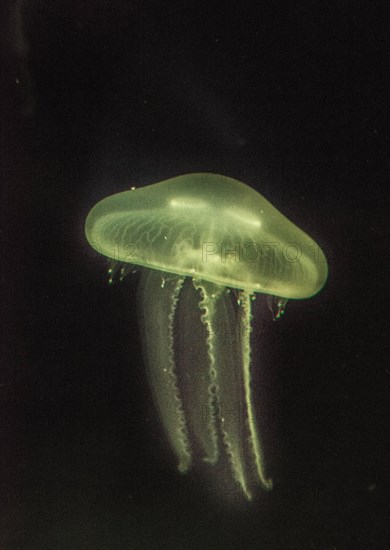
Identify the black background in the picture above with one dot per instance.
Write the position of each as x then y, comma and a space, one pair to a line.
291, 99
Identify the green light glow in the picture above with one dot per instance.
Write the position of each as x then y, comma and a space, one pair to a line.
198, 236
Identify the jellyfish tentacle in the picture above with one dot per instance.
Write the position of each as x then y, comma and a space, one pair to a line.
254, 440
159, 293
227, 391
206, 305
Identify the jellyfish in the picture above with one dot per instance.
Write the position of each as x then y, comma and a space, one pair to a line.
206, 245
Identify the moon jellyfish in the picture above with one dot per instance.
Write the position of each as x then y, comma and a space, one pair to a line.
206, 245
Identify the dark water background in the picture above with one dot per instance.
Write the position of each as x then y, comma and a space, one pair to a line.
288, 97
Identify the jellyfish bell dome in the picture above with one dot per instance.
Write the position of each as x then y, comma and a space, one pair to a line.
210, 227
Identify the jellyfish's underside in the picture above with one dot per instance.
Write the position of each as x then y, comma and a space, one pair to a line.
200, 235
